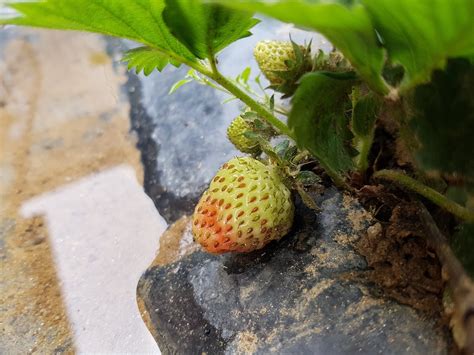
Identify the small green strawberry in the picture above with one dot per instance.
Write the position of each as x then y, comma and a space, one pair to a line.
283, 63
246, 206
236, 134
271, 57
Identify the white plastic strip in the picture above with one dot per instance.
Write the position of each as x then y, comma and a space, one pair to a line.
104, 232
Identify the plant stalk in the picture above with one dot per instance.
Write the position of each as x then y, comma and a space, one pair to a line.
427, 192
335, 176
363, 146
254, 105
215, 75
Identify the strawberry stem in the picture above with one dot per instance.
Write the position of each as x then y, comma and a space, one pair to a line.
427, 192
363, 145
216, 75
254, 105
213, 73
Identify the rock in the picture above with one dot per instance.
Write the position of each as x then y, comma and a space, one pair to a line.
180, 153
299, 295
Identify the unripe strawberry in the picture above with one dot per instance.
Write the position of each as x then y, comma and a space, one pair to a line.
236, 134
272, 57
246, 206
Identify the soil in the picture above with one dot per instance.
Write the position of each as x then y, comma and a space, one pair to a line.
176, 242
54, 128
401, 262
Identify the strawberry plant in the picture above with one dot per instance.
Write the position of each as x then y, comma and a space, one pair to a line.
390, 109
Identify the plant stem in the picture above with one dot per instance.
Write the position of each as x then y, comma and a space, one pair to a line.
335, 176
363, 145
215, 75
254, 105
427, 192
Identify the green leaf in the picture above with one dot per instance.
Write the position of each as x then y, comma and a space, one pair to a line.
319, 122
178, 84
348, 28
245, 75
458, 194
272, 102
365, 114
308, 178
290, 153
138, 20
259, 125
205, 29
444, 119
147, 59
462, 244
422, 34
249, 115
229, 100
282, 147
306, 197
252, 136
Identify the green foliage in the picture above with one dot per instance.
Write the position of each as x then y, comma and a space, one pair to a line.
147, 59
348, 28
444, 119
282, 147
463, 245
205, 29
178, 84
334, 61
244, 76
365, 112
422, 34
364, 115
139, 20
458, 194
308, 178
192, 30
319, 121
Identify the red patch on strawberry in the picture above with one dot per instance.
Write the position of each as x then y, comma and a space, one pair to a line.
245, 207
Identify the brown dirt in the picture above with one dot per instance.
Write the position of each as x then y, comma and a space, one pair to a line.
357, 216
172, 247
60, 119
401, 262
38, 296
248, 342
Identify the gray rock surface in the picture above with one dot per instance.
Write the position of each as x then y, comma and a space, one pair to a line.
296, 296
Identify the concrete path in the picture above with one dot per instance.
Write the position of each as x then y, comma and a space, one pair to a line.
69, 263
